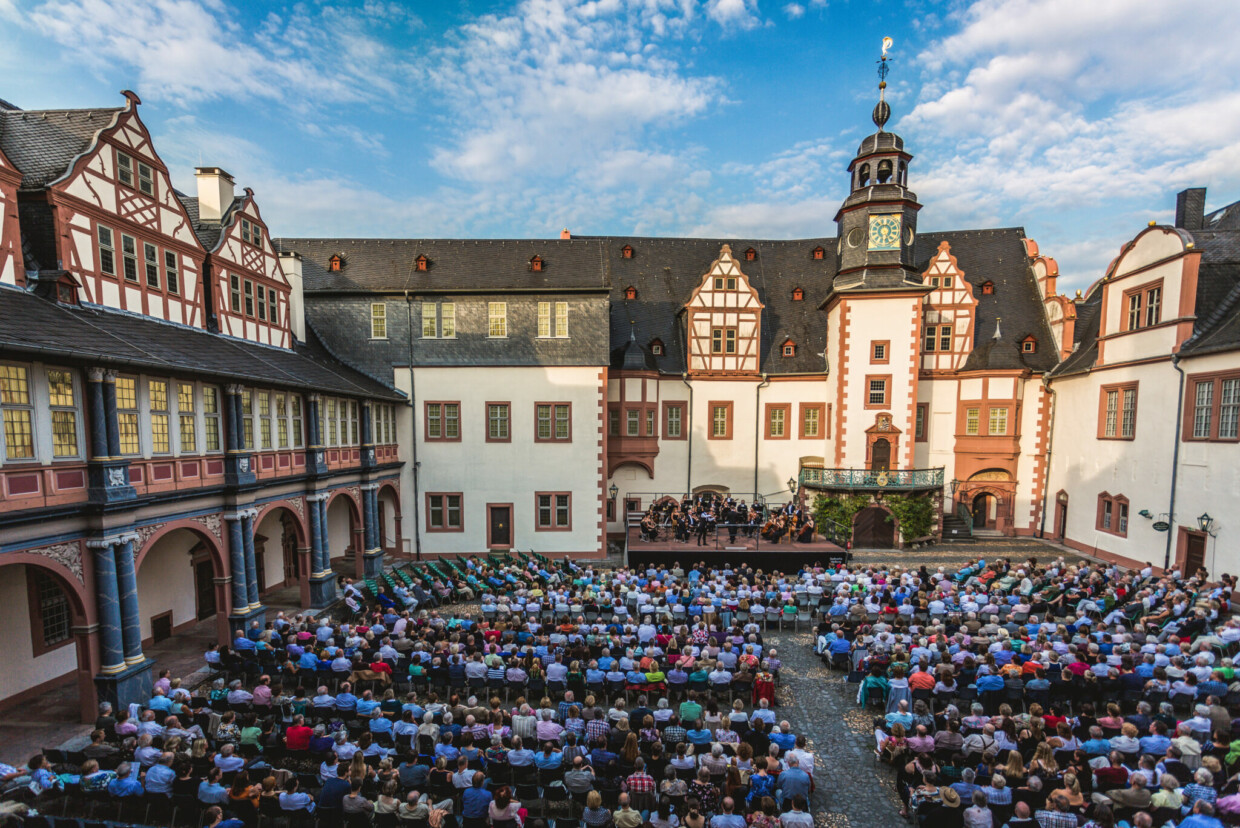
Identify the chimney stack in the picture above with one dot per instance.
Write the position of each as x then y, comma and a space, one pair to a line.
290, 263
1190, 208
215, 193
564, 234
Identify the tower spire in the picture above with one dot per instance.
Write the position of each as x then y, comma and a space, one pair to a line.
882, 110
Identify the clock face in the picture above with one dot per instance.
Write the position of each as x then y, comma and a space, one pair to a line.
885, 232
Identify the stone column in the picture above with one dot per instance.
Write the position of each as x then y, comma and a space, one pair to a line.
232, 425
98, 414
127, 583
109, 408
251, 565
373, 559
322, 583
112, 654
236, 558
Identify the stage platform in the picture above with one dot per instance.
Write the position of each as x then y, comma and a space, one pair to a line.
758, 553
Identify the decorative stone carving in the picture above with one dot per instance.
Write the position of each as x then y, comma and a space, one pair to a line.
212, 524
68, 555
144, 534
300, 506
243, 464
116, 477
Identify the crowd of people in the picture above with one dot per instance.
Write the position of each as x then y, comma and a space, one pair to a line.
568, 695
1050, 695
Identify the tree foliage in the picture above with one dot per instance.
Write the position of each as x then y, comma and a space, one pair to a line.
915, 513
839, 508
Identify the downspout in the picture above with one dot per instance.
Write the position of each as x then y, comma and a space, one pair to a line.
1175, 458
413, 430
757, 431
684, 377
1050, 442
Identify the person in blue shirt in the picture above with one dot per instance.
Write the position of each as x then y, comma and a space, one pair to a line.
380, 723
1095, 744
698, 736
160, 777
211, 792
1156, 743
346, 702
548, 758
214, 818
126, 782
476, 800
446, 749
366, 705
242, 644
784, 737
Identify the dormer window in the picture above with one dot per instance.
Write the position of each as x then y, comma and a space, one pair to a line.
798, 295
422, 263
335, 264
790, 349
630, 292
818, 254
988, 288
626, 252
536, 264
751, 254
1029, 345
656, 347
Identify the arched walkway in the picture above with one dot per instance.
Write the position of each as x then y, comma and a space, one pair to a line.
180, 582
344, 529
43, 610
391, 535
280, 545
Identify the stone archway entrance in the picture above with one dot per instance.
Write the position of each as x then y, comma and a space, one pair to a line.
983, 509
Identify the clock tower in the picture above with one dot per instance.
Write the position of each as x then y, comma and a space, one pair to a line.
878, 221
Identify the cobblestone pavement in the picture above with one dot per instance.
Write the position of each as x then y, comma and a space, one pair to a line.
852, 789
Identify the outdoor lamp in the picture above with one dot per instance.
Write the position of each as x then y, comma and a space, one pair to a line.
792, 484
613, 491
1205, 522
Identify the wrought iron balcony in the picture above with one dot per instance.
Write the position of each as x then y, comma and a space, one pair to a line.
867, 480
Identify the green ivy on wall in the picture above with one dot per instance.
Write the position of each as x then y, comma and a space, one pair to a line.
915, 513
839, 508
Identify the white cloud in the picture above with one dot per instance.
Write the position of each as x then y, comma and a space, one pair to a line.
559, 88
794, 11
1034, 109
187, 52
734, 14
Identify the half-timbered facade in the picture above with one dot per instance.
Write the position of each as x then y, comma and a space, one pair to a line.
162, 462
725, 320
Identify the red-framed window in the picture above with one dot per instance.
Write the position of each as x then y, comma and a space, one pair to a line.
553, 511
442, 421
1113, 514
1212, 407
445, 512
553, 422
1117, 412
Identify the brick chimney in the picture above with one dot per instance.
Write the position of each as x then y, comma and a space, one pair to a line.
215, 192
564, 234
1190, 208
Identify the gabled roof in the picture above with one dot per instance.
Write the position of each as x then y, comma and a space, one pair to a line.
38, 328
208, 232
43, 143
457, 265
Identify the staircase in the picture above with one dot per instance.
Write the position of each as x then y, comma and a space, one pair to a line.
958, 526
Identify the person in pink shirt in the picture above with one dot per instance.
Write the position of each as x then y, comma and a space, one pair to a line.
262, 692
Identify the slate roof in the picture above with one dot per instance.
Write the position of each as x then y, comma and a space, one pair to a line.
665, 271
46, 330
208, 232
43, 143
456, 265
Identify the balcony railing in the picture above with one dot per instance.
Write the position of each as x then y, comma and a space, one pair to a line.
872, 480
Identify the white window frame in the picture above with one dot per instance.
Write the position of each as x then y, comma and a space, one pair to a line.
378, 320
497, 320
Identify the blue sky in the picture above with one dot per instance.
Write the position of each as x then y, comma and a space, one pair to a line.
1077, 120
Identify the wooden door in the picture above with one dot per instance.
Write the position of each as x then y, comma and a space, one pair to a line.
1194, 553
872, 530
204, 589
288, 547
880, 455
1061, 519
499, 532
981, 511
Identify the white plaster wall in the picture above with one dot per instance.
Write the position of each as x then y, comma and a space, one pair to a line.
1084, 466
509, 472
166, 580
21, 670
939, 449
1027, 498
1209, 479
